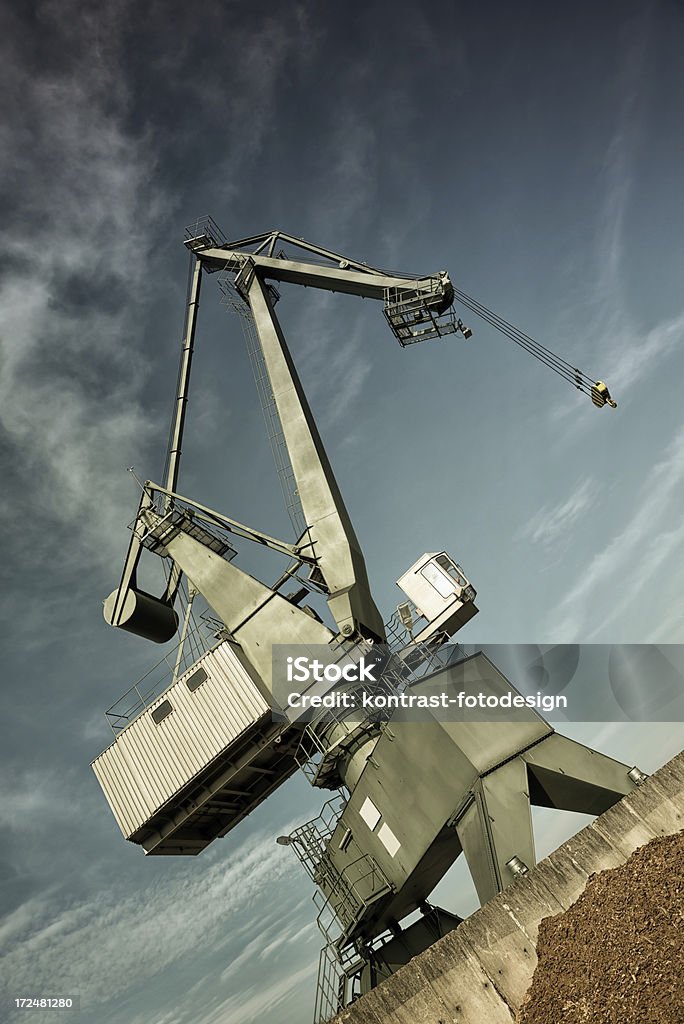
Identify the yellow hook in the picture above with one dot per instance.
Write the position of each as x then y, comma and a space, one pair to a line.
600, 395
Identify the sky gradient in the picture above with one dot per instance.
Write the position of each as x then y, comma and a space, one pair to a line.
533, 150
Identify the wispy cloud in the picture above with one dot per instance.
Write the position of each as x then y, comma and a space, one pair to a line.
636, 552
238, 93
637, 355
670, 629
290, 937
624, 347
335, 366
29, 801
609, 305
75, 250
350, 163
53, 945
254, 1002
258, 1002
551, 525
631, 352
248, 953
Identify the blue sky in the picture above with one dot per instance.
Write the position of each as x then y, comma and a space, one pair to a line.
533, 150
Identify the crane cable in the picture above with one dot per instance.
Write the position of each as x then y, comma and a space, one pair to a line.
596, 390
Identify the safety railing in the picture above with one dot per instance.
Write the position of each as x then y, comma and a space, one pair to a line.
344, 896
197, 642
309, 841
204, 233
418, 314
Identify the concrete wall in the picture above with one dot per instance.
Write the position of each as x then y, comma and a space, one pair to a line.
480, 973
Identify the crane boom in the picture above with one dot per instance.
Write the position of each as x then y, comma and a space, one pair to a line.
368, 284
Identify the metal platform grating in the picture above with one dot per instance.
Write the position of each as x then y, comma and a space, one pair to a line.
419, 314
177, 521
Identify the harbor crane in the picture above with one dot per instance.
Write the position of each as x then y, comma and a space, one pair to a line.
193, 757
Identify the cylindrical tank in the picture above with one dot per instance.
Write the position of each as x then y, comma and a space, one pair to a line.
142, 614
348, 743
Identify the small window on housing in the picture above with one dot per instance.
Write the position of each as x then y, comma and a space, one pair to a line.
196, 679
162, 712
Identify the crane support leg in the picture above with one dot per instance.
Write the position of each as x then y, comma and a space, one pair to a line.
497, 827
181, 405
129, 608
572, 777
333, 539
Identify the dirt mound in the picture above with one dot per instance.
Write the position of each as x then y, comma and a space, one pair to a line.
616, 956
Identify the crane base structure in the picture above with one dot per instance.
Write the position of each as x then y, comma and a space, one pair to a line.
427, 791
482, 969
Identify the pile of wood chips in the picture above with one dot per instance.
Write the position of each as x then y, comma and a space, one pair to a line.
616, 956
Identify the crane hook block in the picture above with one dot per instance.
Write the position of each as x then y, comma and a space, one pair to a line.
600, 395
137, 612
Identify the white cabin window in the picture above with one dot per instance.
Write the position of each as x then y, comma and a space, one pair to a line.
450, 567
439, 579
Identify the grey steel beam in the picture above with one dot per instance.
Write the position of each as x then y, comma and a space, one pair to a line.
368, 284
184, 379
496, 828
567, 775
316, 250
254, 615
271, 239
232, 525
334, 541
133, 610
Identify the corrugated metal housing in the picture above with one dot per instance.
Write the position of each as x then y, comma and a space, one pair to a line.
186, 728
